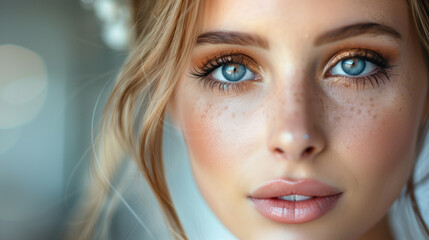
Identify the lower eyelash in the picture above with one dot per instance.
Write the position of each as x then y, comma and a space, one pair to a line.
376, 79
225, 87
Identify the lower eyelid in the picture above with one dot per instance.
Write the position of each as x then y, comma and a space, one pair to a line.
376, 79
228, 87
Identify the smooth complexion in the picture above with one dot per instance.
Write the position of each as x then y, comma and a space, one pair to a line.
297, 116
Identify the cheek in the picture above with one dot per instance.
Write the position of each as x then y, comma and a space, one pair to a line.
219, 136
377, 146
381, 147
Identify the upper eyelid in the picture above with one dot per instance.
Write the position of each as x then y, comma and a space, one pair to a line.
364, 53
350, 53
224, 58
235, 57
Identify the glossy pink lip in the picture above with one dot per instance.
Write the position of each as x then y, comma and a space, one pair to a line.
265, 200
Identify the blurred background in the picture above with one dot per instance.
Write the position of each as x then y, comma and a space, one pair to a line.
57, 58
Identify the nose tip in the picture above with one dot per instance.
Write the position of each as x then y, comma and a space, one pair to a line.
296, 146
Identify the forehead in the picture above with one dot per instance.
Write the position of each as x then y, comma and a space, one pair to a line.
305, 18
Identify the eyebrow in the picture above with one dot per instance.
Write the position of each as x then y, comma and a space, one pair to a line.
246, 39
230, 37
355, 30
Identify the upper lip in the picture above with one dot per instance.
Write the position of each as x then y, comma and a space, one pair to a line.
305, 187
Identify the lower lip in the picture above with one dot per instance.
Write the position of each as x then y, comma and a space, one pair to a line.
295, 211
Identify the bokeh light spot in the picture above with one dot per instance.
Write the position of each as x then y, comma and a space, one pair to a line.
23, 85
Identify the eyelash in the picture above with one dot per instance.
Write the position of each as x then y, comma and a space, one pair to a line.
376, 78
204, 71
380, 75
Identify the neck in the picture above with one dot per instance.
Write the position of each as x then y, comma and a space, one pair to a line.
381, 231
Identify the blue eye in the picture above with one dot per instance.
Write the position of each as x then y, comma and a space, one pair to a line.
353, 67
233, 72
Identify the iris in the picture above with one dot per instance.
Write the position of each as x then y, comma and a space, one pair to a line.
353, 66
233, 72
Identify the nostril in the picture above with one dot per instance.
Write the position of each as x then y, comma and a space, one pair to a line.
304, 153
308, 151
279, 150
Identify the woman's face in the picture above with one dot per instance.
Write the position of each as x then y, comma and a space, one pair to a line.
301, 117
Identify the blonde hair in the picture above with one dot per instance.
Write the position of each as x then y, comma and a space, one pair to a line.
132, 122
164, 34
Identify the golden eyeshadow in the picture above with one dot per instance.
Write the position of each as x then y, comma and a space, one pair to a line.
205, 63
228, 56
365, 54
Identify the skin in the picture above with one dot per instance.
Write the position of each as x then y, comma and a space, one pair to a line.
363, 139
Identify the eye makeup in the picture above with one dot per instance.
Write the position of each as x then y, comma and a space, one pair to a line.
379, 75
381, 70
205, 70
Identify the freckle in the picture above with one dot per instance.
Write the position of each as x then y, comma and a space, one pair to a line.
374, 116
352, 109
371, 99
400, 109
210, 105
319, 115
369, 111
233, 115
337, 119
359, 111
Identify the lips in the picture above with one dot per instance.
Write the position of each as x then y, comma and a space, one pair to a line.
296, 201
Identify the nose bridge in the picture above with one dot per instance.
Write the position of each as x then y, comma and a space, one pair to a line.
294, 102
294, 132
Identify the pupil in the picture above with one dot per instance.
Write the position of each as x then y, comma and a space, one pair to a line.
353, 66
233, 72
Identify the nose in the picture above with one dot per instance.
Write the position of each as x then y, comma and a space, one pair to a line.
295, 134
